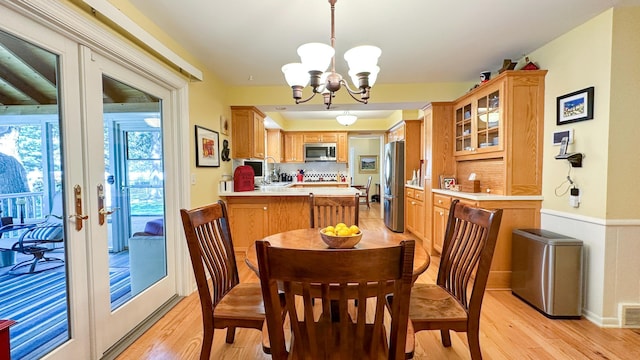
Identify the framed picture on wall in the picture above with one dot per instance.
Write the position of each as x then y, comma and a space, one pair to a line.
574, 107
207, 147
368, 164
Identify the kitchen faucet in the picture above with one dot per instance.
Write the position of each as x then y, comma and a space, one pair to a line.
267, 179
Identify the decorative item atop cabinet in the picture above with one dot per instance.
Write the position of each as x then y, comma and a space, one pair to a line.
498, 133
247, 134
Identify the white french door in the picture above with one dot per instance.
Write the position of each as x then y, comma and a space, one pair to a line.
125, 176
115, 162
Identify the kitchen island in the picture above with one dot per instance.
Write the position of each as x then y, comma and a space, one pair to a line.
271, 209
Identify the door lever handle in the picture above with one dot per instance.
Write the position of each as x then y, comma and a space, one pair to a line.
77, 199
104, 211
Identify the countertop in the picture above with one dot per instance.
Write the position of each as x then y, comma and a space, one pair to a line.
414, 187
286, 189
487, 196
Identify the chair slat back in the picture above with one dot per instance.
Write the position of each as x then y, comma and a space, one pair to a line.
211, 252
468, 247
333, 327
330, 210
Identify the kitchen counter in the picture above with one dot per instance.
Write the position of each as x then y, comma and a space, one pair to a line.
293, 189
486, 196
414, 187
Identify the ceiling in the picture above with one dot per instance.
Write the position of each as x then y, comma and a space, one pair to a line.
246, 42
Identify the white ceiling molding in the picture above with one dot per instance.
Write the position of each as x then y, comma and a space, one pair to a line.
120, 19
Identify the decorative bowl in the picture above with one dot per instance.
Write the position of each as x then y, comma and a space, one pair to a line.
341, 242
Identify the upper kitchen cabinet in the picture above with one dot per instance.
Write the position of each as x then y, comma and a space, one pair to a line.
503, 111
293, 147
320, 137
409, 131
247, 132
498, 133
275, 144
343, 148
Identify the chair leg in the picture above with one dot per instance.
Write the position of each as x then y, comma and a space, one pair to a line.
473, 337
446, 337
207, 344
231, 334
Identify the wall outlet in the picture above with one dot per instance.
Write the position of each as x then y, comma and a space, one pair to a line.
574, 197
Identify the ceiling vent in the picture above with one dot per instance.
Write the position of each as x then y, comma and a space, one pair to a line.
630, 315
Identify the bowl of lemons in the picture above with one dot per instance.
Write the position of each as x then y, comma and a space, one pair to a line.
341, 236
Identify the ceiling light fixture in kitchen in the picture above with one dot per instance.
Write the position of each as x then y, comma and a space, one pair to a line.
315, 57
346, 119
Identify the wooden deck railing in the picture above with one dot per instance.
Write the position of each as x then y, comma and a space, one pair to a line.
29, 205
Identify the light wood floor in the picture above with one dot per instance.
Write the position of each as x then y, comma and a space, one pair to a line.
509, 329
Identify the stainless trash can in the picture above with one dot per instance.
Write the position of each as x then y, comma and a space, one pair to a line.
547, 272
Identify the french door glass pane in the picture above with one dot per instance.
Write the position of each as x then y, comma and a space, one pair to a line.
33, 272
134, 177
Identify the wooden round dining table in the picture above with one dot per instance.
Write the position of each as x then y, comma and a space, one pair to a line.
309, 239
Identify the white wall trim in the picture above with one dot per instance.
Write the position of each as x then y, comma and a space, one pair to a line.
115, 15
592, 220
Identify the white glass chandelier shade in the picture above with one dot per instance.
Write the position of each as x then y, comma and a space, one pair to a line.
316, 56
346, 119
363, 58
296, 74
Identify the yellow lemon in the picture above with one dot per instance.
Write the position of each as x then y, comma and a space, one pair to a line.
329, 229
354, 229
344, 232
330, 233
341, 225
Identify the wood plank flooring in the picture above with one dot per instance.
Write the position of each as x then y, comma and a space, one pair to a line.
509, 329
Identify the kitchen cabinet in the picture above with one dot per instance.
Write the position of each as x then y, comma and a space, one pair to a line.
275, 144
438, 159
414, 210
522, 212
409, 131
253, 218
320, 137
441, 205
342, 152
293, 147
498, 133
247, 133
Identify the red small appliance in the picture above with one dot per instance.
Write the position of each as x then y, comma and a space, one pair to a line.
243, 178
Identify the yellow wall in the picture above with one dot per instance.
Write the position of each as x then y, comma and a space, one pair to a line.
576, 60
624, 159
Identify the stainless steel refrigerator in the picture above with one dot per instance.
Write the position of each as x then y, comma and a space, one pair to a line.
394, 186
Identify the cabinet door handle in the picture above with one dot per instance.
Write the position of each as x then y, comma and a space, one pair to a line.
439, 201
264, 208
441, 213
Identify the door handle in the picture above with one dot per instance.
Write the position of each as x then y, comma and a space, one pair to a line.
77, 199
102, 211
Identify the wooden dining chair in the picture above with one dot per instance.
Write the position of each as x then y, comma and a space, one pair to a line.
330, 210
225, 302
322, 331
468, 247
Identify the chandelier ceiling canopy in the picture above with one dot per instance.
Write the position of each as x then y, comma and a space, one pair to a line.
315, 60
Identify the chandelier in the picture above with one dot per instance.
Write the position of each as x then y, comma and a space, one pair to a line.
346, 119
315, 59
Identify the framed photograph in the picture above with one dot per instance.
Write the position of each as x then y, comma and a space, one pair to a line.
574, 107
224, 125
207, 147
368, 164
446, 181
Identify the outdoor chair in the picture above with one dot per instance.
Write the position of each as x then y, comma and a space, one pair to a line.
39, 239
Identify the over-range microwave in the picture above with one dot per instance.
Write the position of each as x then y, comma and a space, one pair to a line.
319, 152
